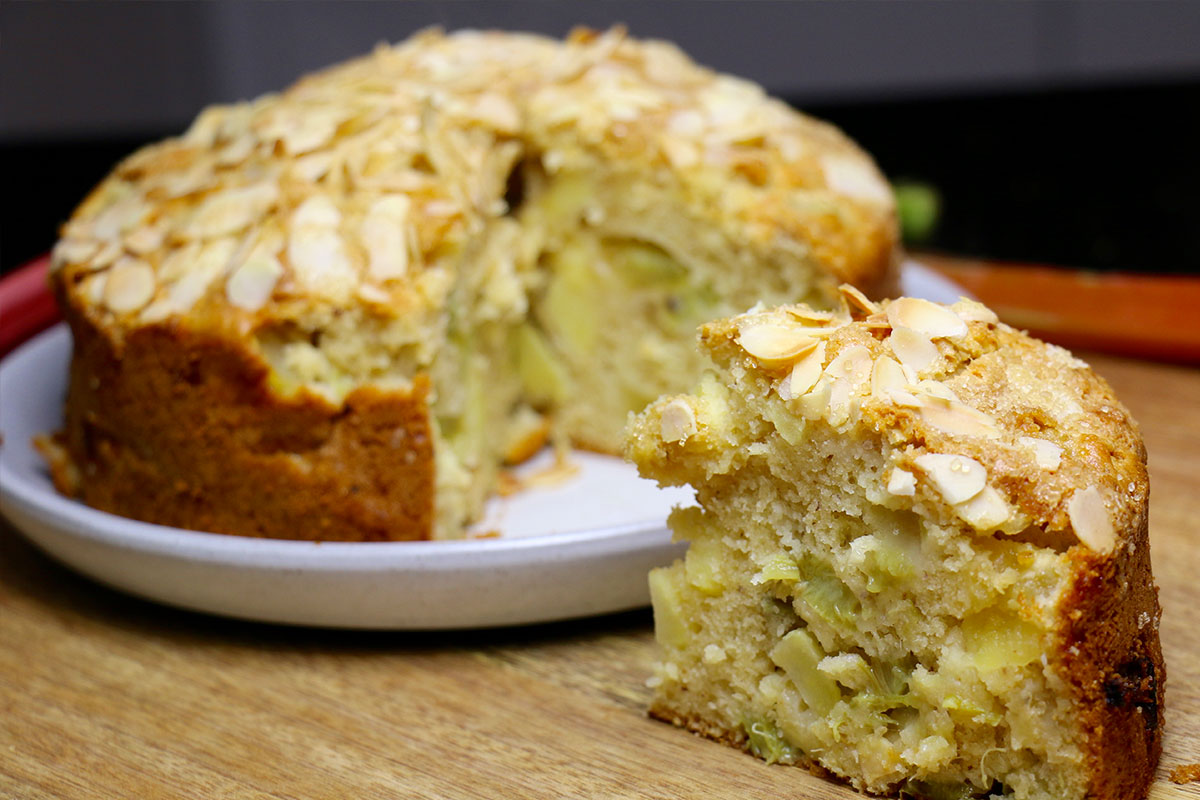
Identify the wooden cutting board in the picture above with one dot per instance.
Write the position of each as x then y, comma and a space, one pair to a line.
104, 696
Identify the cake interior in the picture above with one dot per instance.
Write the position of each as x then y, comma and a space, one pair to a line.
573, 308
815, 622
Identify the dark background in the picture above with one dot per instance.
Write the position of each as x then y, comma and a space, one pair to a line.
1058, 132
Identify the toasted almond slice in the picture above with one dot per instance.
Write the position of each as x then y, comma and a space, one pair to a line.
1048, 455
317, 211
1090, 520
250, 286
936, 390
856, 179
957, 478
814, 404
853, 364
958, 419
775, 344
384, 234
858, 299
920, 315
804, 374
913, 349
985, 511
971, 311
145, 239
72, 251
887, 376
677, 421
902, 483
806, 314
231, 210
130, 285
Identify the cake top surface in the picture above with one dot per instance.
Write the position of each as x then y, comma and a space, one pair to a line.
981, 423
362, 184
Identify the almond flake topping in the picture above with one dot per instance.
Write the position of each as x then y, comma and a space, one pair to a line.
931, 319
971, 311
957, 478
901, 483
72, 251
1048, 455
804, 374
251, 285
385, 236
775, 344
231, 210
913, 349
858, 299
949, 415
130, 285
985, 511
677, 421
852, 364
855, 178
1090, 520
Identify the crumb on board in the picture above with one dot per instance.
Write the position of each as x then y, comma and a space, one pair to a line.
1185, 773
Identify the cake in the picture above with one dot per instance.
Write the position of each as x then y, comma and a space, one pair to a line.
919, 561
335, 313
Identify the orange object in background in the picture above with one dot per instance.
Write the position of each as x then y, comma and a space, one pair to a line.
1134, 315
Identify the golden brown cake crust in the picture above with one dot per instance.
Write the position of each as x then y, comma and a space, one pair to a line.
185, 431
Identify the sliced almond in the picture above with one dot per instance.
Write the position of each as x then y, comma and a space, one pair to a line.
130, 285
251, 285
957, 478
805, 313
902, 483
814, 404
385, 235
1090, 520
677, 421
231, 210
804, 374
914, 350
854, 177
319, 260
1048, 455
985, 511
317, 211
202, 266
887, 376
972, 311
858, 299
774, 344
936, 390
920, 315
958, 419
853, 364
145, 239
72, 251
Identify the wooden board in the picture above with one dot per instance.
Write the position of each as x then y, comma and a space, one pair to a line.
105, 696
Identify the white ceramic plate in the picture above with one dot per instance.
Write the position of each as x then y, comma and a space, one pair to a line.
574, 549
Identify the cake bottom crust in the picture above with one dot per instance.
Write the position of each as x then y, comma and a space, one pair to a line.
181, 428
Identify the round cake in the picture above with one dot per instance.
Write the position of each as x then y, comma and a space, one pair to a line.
335, 312
920, 559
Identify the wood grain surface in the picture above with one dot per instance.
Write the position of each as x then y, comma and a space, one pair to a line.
104, 696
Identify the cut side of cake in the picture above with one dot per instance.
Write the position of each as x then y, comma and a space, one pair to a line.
920, 561
337, 311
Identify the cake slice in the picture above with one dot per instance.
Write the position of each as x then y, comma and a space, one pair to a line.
920, 560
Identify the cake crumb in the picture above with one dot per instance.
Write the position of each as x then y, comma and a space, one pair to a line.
1185, 773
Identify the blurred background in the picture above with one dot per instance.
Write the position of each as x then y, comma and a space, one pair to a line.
1054, 132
